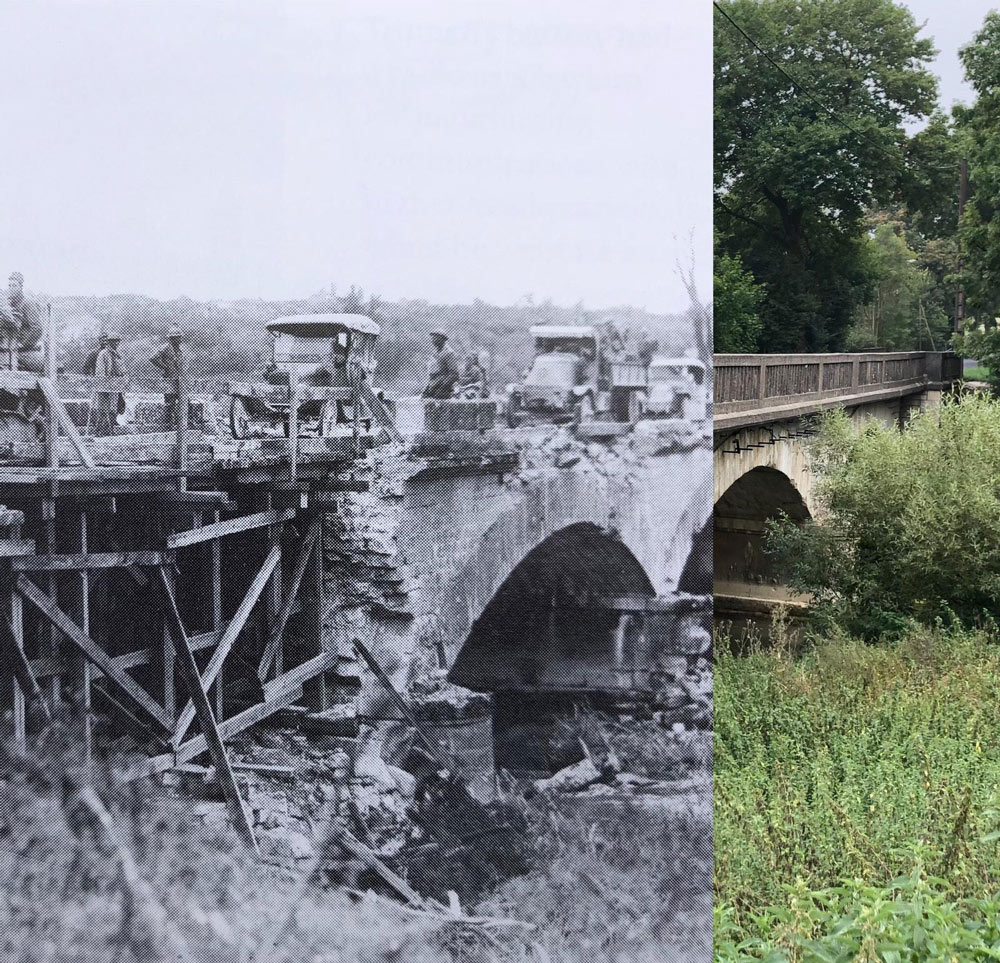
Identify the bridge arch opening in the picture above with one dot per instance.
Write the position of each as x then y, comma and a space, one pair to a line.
746, 587
566, 626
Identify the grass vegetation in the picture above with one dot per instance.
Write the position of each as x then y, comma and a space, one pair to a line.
857, 799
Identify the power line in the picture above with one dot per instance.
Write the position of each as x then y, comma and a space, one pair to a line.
801, 88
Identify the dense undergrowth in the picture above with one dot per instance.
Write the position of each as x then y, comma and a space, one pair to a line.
857, 800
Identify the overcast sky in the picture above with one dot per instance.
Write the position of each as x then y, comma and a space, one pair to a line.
420, 149
952, 24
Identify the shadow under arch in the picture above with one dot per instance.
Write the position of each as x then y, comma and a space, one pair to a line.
550, 626
745, 585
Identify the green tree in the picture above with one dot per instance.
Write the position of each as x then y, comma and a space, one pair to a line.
792, 183
910, 521
737, 297
904, 311
980, 127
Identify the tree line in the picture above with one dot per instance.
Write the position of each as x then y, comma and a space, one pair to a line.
837, 177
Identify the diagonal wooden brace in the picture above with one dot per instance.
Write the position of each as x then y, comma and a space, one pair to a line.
48, 607
274, 640
234, 628
189, 673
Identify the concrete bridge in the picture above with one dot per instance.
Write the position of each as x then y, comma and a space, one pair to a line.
765, 408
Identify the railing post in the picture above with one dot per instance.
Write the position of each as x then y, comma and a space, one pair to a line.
293, 422
52, 421
855, 373
763, 380
182, 418
819, 378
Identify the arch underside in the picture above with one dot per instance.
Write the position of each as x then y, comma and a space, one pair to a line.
554, 622
580, 613
746, 586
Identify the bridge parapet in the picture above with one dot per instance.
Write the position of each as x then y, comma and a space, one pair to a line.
755, 388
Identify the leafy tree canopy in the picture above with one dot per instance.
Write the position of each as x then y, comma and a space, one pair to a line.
737, 299
980, 127
792, 183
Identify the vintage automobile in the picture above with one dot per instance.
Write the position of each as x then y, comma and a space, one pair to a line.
573, 379
676, 389
327, 362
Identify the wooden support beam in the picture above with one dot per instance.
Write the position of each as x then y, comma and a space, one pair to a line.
278, 629
317, 612
48, 608
273, 601
25, 682
83, 667
194, 747
88, 560
229, 527
17, 637
56, 406
295, 678
216, 547
189, 672
236, 624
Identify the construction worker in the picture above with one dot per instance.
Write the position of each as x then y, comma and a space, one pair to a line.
107, 404
90, 362
444, 373
647, 348
20, 322
170, 359
472, 384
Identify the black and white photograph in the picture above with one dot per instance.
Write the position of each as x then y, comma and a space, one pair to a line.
356, 481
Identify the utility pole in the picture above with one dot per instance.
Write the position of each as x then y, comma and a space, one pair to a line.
963, 192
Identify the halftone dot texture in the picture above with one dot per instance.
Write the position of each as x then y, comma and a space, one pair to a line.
537, 592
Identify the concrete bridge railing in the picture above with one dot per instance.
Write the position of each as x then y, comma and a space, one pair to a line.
754, 388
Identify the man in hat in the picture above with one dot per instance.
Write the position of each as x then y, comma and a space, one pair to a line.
20, 320
171, 359
107, 404
444, 373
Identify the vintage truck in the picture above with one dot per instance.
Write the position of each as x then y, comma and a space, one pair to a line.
573, 378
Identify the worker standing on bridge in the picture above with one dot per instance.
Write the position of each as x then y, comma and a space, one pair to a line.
107, 404
20, 322
170, 359
444, 373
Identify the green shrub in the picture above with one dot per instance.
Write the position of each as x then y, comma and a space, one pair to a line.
911, 522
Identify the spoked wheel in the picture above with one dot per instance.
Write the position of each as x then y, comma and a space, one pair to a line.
239, 419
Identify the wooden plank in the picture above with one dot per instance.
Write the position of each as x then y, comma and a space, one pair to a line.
84, 668
357, 848
379, 412
236, 624
301, 561
230, 727
217, 625
401, 704
47, 606
189, 672
229, 527
273, 598
86, 459
295, 678
16, 547
87, 561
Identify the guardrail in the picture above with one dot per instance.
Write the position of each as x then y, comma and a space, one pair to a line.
747, 385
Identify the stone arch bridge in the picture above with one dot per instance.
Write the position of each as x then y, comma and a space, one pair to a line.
765, 408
